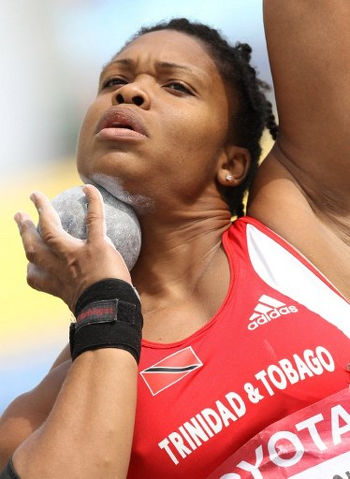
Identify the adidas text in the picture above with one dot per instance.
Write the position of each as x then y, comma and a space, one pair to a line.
267, 309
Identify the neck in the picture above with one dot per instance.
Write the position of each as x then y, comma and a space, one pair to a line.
182, 273
178, 249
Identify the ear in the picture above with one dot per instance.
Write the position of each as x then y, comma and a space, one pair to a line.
233, 166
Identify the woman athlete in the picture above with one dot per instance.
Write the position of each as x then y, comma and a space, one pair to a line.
243, 324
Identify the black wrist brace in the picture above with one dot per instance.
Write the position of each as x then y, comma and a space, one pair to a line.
108, 316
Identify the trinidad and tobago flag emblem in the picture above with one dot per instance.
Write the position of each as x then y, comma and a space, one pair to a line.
170, 370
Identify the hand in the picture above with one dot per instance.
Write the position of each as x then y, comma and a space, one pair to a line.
62, 265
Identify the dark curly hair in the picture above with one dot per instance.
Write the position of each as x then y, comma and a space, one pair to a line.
254, 110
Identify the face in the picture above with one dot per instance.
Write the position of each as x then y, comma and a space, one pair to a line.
157, 128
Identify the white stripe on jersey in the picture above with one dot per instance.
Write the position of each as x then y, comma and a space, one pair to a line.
285, 273
271, 301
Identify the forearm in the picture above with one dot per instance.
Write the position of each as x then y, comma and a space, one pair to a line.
89, 431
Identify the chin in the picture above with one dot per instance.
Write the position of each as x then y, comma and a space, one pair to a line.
140, 203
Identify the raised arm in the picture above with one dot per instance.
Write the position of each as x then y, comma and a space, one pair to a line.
89, 431
302, 188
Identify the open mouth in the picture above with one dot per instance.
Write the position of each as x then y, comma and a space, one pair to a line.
121, 121
120, 125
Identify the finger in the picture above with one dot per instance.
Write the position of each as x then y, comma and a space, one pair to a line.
49, 220
35, 249
51, 230
29, 235
95, 218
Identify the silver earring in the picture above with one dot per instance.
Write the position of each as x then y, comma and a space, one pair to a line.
229, 178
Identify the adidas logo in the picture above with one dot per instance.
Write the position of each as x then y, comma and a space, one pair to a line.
267, 309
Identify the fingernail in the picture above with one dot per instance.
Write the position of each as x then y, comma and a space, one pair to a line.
33, 197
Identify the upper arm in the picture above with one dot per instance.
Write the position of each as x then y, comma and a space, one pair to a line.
309, 50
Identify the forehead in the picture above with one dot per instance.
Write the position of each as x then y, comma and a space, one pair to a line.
170, 46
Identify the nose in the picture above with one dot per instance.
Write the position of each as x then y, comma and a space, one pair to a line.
132, 94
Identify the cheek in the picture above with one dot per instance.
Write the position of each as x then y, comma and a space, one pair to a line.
191, 145
198, 135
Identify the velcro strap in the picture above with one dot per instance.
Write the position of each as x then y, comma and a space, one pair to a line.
98, 312
111, 323
108, 316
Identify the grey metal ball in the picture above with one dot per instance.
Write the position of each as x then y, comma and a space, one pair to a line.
123, 227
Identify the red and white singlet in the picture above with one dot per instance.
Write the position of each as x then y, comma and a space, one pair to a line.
279, 343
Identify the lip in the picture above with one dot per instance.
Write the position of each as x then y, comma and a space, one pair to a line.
121, 123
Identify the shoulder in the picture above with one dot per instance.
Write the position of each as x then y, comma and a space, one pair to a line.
282, 202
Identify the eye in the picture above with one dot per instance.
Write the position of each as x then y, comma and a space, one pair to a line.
178, 87
112, 82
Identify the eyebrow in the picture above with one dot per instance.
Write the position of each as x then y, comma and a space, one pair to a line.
128, 62
174, 66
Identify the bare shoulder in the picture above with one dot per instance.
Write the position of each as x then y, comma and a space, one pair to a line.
28, 411
282, 199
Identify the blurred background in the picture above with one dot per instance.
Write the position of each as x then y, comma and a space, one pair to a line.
51, 53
